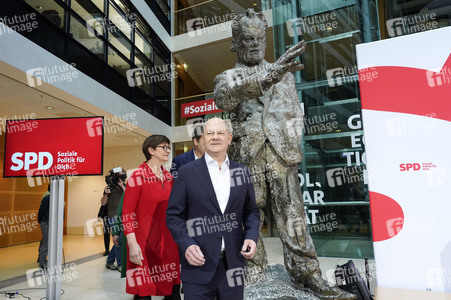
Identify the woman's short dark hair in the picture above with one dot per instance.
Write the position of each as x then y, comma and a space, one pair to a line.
153, 141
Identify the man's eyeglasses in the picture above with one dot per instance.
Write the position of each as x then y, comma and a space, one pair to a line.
165, 148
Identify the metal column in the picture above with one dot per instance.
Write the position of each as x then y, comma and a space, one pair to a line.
54, 266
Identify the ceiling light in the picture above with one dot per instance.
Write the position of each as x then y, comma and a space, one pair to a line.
49, 107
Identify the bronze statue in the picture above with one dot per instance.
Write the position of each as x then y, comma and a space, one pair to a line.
267, 117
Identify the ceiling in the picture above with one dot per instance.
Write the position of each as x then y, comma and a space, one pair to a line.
18, 101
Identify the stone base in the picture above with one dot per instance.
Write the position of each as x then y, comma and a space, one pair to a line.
276, 286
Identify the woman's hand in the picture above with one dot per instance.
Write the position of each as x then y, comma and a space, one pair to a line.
135, 254
134, 250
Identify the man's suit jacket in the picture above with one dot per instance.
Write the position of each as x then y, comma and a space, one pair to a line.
193, 217
180, 160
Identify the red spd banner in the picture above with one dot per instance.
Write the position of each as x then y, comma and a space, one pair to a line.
46, 147
198, 108
406, 113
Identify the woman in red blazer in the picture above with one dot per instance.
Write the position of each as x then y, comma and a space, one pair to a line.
153, 263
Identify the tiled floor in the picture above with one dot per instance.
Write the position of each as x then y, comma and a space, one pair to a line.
89, 279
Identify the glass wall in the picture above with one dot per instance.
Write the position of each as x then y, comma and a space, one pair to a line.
332, 173
162, 9
408, 17
108, 41
201, 14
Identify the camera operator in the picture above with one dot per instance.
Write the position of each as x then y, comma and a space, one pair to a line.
111, 196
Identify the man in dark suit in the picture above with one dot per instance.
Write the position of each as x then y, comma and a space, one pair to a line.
214, 219
193, 154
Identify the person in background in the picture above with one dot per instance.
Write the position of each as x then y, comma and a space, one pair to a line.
153, 262
43, 220
119, 239
195, 153
103, 215
111, 196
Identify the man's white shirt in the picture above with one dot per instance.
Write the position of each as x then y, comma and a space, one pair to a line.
220, 179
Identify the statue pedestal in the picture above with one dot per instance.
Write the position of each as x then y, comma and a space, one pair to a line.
276, 285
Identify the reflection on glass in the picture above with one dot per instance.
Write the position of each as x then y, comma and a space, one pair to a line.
162, 96
165, 8
51, 10
142, 62
323, 25
121, 43
87, 11
85, 37
120, 22
164, 83
144, 45
199, 14
119, 4
159, 61
98, 3
329, 55
414, 17
117, 62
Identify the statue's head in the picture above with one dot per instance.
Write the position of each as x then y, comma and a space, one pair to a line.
249, 37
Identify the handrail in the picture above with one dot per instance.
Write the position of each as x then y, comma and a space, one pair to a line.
182, 9
199, 95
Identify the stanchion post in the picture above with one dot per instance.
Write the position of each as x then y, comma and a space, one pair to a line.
54, 266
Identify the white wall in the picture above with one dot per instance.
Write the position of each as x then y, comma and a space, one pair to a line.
85, 192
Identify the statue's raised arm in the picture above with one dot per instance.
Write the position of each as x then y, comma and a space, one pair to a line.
252, 76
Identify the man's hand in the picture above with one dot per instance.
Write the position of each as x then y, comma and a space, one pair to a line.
249, 248
194, 256
106, 194
121, 184
116, 240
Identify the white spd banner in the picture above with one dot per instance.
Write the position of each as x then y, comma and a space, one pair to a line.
406, 112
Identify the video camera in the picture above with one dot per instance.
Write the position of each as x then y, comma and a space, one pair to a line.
112, 179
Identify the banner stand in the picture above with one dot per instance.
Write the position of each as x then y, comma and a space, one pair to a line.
55, 247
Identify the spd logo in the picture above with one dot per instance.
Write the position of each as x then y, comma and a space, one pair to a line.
25, 160
409, 167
